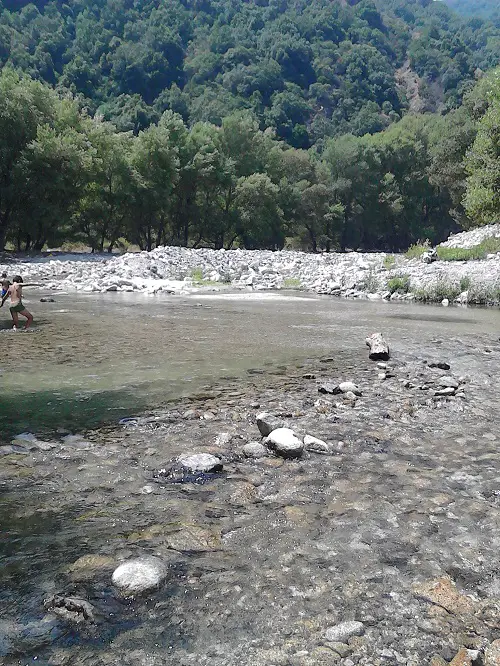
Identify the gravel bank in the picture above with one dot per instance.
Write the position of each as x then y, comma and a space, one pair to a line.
351, 275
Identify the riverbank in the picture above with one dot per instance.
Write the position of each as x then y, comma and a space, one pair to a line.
351, 275
390, 524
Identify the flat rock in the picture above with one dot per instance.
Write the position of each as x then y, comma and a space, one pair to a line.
285, 443
254, 450
341, 633
139, 575
465, 657
200, 462
443, 592
492, 654
315, 445
448, 382
266, 423
350, 387
445, 391
87, 566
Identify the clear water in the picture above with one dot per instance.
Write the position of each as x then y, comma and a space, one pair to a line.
91, 360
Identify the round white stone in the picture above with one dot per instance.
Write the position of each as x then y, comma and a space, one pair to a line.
139, 575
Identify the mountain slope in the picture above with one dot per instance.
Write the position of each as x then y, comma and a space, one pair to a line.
310, 69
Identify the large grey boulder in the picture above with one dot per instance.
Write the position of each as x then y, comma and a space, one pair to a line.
315, 445
285, 443
139, 575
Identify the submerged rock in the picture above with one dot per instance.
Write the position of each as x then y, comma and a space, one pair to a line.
342, 632
200, 462
139, 575
70, 609
285, 443
329, 388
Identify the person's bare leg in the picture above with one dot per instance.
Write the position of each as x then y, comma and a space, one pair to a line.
29, 318
15, 320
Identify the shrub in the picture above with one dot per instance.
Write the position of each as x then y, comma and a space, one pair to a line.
417, 250
465, 283
399, 284
389, 261
292, 283
439, 291
370, 283
197, 275
488, 246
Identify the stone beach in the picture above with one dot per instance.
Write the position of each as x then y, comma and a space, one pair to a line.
176, 270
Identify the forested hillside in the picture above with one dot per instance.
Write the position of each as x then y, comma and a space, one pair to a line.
484, 8
309, 69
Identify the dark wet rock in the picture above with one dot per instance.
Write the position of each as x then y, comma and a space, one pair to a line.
315, 445
266, 423
200, 462
47, 300
329, 388
341, 633
70, 609
379, 349
285, 443
442, 365
139, 575
254, 450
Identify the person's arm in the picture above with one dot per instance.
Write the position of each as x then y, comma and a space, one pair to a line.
31, 284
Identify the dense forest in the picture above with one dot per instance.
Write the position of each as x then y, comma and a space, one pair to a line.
485, 8
309, 69
266, 123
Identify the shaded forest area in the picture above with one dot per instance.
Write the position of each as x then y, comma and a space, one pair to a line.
262, 124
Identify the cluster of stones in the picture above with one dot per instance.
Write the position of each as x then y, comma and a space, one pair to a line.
182, 270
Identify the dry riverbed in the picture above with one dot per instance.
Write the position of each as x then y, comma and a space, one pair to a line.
378, 546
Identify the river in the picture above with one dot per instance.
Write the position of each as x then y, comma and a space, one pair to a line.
264, 558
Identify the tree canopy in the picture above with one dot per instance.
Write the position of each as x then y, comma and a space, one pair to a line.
309, 69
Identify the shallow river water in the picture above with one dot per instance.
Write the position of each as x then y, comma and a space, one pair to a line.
264, 558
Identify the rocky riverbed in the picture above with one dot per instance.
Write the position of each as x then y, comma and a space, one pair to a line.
377, 542
352, 274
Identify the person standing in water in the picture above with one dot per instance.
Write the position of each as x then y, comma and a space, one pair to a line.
15, 291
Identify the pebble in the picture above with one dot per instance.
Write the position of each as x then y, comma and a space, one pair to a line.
254, 450
315, 445
341, 633
350, 387
139, 575
200, 462
266, 423
448, 382
285, 443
